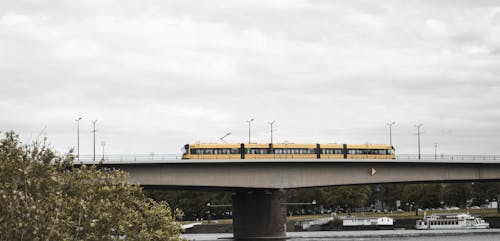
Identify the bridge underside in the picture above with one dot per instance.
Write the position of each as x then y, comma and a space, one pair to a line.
287, 175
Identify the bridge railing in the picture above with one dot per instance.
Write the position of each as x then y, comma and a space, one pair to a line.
131, 158
153, 157
443, 157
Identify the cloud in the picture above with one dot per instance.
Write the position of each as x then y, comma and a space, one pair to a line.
159, 74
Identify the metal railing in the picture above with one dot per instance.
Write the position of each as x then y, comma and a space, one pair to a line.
153, 157
131, 158
443, 157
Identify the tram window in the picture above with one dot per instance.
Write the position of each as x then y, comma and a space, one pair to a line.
256, 151
298, 151
367, 151
216, 151
379, 152
331, 151
283, 151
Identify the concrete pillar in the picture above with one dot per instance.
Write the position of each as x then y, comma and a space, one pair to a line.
259, 215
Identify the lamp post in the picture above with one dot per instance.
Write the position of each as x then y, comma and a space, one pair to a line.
390, 131
209, 214
78, 138
418, 135
103, 143
271, 126
93, 130
249, 128
435, 150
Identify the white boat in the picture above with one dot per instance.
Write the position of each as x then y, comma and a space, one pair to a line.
367, 221
451, 221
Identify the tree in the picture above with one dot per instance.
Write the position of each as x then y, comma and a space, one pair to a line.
457, 194
483, 191
44, 197
194, 203
391, 194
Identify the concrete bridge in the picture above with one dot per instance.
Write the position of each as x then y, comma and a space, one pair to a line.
260, 185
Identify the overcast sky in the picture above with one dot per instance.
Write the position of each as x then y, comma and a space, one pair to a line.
160, 74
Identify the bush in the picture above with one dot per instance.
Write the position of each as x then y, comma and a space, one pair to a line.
44, 197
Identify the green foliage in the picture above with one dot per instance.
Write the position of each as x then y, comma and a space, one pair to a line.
331, 197
457, 194
483, 191
343, 198
44, 197
194, 203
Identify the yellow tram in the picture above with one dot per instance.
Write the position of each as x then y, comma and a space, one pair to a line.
288, 151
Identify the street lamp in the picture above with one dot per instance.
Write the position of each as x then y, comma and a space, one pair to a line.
249, 128
390, 131
103, 143
418, 134
271, 125
435, 150
208, 205
78, 138
93, 130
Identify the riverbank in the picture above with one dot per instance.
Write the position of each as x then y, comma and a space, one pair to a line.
399, 223
390, 233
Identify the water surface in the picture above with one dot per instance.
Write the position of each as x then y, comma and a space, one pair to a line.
386, 235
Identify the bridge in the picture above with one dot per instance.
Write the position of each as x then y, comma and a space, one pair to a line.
260, 184
170, 157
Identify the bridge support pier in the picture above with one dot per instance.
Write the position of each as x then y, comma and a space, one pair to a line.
259, 215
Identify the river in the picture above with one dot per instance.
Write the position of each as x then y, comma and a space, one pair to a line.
386, 235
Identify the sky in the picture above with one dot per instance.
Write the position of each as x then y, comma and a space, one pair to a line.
158, 74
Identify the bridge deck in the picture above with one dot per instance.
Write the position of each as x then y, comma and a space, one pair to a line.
297, 173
